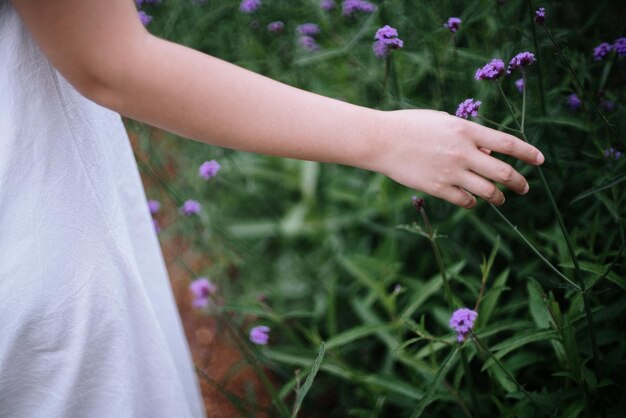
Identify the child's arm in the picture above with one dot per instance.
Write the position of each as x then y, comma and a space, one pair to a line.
104, 51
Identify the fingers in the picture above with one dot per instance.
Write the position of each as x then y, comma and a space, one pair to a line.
498, 171
508, 144
456, 196
483, 188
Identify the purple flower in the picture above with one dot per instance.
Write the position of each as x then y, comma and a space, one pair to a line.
601, 51
462, 321
418, 203
276, 27
190, 207
540, 15
349, 7
453, 24
468, 108
620, 46
260, 335
491, 71
308, 43
607, 105
156, 226
249, 6
154, 206
202, 288
144, 17
386, 40
327, 5
612, 154
520, 85
308, 29
209, 169
520, 61
573, 102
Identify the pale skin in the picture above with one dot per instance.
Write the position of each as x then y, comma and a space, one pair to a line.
102, 49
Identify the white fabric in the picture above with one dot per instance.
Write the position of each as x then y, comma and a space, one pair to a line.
88, 324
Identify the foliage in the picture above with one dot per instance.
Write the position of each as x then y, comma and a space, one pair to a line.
315, 251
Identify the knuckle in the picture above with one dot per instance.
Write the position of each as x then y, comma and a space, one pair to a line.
506, 173
492, 193
508, 145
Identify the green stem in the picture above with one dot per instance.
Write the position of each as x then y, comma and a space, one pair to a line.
534, 249
506, 100
523, 100
438, 258
499, 125
509, 375
542, 99
469, 380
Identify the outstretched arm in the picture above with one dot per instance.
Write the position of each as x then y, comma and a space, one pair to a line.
104, 51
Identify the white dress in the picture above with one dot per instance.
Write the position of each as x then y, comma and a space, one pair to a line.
88, 323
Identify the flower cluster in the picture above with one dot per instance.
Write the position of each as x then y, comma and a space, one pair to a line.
491, 71
349, 7
328, 5
308, 29
468, 108
620, 46
260, 335
453, 24
601, 51
386, 40
612, 154
144, 17
276, 27
202, 288
520, 85
249, 6
462, 321
190, 207
521, 60
154, 206
573, 101
209, 169
540, 15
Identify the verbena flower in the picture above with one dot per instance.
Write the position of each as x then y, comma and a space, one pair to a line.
601, 51
202, 288
144, 17
190, 207
520, 85
612, 154
607, 105
209, 169
260, 335
418, 203
573, 102
386, 40
540, 15
308, 43
453, 24
349, 7
462, 321
521, 60
276, 27
249, 6
308, 29
620, 46
491, 71
328, 5
468, 108
156, 226
154, 206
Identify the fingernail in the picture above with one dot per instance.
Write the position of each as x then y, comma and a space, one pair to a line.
540, 158
526, 188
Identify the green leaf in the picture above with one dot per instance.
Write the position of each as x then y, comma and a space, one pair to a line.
490, 301
309, 379
517, 341
612, 182
571, 122
432, 387
356, 333
537, 305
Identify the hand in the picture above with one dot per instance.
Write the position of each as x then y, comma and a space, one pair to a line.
449, 157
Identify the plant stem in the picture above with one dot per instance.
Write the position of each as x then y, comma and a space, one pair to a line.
511, 377
438, 258
535, 250
523, 101
506, 100
499, 124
